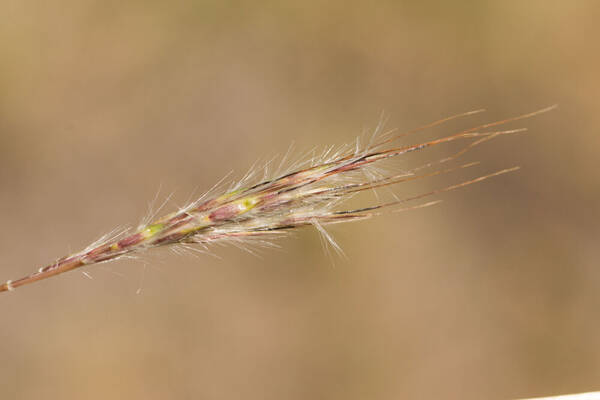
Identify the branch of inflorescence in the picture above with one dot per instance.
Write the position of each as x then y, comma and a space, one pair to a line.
305, 195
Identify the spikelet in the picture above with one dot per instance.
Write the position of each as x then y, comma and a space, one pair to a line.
307, 196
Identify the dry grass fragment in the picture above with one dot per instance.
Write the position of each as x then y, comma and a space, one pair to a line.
305, 195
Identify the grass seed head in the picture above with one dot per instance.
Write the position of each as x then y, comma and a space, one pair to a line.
311, 193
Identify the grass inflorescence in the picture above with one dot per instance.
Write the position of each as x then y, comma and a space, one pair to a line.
307, 195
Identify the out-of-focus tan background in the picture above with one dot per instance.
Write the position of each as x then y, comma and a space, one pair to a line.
492, 294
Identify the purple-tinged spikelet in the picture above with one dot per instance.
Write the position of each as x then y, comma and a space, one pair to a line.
306, 196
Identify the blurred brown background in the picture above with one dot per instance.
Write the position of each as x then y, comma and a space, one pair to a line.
493, 294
